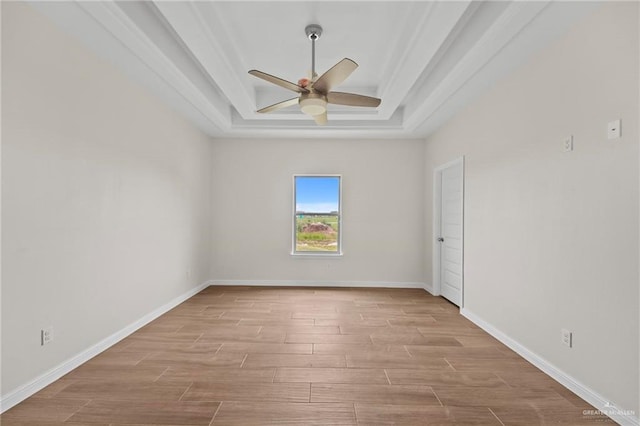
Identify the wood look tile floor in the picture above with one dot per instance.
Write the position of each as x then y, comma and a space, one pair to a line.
306, 356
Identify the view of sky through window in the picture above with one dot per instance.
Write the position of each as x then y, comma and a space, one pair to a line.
317, 194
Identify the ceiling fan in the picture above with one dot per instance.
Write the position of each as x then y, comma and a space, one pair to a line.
315, 92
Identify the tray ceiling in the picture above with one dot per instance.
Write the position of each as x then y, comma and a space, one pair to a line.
426, 60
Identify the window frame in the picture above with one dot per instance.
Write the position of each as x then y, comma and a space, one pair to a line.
336, 253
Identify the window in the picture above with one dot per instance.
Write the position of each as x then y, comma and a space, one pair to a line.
316, 222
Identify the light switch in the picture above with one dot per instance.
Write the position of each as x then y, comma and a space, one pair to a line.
613, 129
568, 143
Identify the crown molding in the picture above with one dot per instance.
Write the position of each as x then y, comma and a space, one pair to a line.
213, 47
517, 16
124, 29
425, 39
189, 55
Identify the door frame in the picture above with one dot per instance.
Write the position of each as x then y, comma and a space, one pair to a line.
437, 219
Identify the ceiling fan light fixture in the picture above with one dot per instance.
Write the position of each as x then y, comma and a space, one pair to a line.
315, 92
313, 106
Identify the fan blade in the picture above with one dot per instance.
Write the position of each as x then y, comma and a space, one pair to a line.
321, 119
336, 75
280, 105
351, 99
278, 81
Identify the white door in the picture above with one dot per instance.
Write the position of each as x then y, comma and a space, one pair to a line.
449, 237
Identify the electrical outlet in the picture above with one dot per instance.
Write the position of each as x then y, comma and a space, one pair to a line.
567, 338
568, 143
46, 336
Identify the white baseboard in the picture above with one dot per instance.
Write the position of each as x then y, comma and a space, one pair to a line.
311, 283
23, 392
429, 288
623, 417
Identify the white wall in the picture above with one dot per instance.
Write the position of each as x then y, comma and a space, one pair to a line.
551, 238
383, 210
106, 197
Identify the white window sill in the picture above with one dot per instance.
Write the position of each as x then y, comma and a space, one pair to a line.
316, 255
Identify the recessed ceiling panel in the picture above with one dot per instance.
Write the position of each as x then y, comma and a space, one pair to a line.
424, 59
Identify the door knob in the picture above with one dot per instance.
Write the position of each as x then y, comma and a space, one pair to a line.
440, 239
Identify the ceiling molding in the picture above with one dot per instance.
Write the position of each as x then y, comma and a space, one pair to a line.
114, 20
505, 28
186, 19
551, 23
109, 15
419, 57
438, 21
